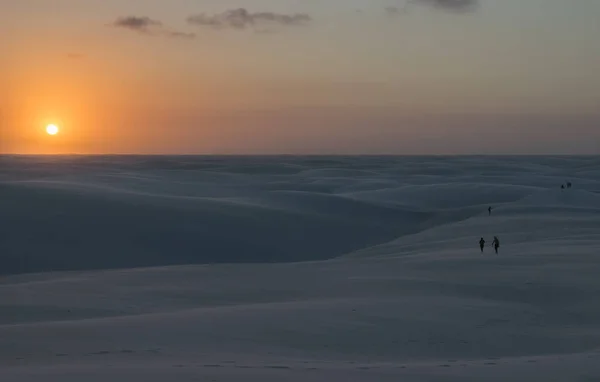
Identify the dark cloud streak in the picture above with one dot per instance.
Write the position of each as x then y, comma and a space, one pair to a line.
182, 35
449, 5
445, 5
140, 24
241, 18
149, 26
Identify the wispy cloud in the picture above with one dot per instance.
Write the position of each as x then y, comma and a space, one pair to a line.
175, 34
451, 5
139, 24
446, 5
241, 18
146, 25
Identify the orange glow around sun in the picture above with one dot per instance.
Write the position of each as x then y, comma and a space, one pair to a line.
56, 108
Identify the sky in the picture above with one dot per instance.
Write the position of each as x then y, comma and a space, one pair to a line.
300, 76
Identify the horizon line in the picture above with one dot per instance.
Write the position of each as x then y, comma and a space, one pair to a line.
292, 155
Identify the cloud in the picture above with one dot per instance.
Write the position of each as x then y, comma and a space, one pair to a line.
451, 5
140, 24
241, 18
446, 5
149, 26
183, 35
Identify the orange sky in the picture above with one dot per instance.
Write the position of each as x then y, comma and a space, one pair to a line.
428, 81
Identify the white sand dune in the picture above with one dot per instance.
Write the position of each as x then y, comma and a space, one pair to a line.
299, 269
447, 195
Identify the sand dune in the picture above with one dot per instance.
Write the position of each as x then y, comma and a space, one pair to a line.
299, 269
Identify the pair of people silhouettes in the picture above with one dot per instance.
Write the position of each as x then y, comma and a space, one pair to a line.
495, 244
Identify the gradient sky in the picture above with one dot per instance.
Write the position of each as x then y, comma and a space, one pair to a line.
504, 77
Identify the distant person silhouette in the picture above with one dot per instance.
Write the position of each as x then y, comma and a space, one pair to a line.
489, 210
481, 244
562, 186
568, 184
496, 244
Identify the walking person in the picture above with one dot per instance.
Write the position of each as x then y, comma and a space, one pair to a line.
481, 244
489, 210
496, 244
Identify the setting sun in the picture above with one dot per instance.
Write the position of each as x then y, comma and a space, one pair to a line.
52, 129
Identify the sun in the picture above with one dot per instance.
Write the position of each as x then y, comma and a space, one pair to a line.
52, 129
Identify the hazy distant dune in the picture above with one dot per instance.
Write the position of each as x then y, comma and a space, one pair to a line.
448, 195
337, 173
559, 198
